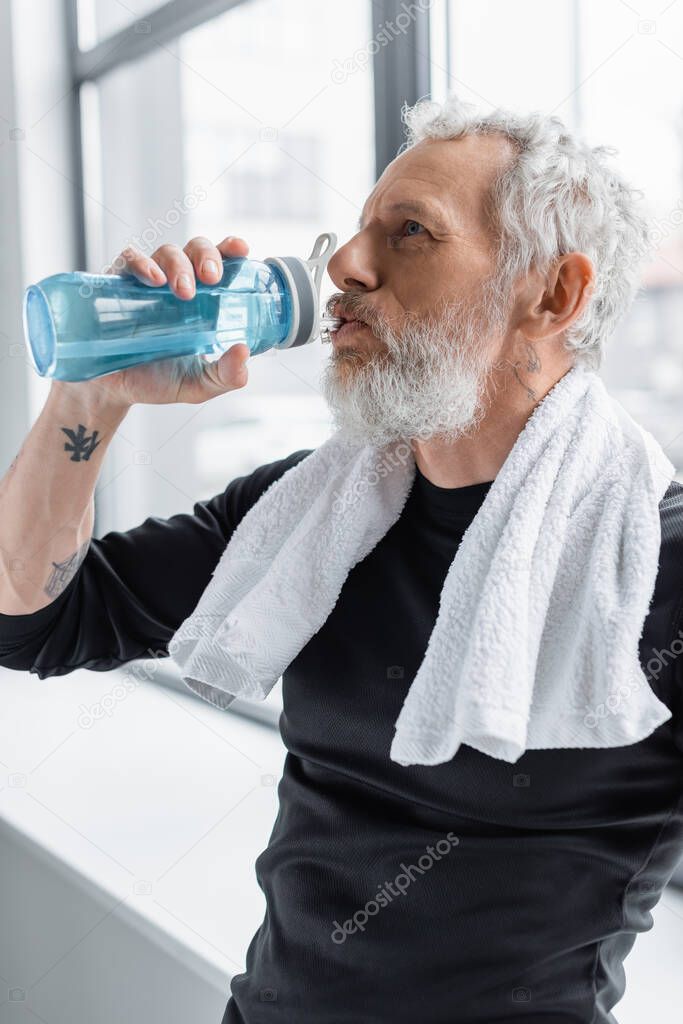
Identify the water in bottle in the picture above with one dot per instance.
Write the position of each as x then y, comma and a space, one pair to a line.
79, 326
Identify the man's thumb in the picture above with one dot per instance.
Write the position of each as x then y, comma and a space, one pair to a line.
230, 371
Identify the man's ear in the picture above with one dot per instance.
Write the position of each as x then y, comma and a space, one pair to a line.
558, 299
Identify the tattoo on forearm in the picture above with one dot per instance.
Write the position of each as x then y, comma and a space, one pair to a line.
82, 444
63, 572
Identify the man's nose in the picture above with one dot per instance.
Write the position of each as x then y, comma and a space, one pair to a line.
352, 266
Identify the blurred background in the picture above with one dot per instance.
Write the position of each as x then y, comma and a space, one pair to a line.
143, 123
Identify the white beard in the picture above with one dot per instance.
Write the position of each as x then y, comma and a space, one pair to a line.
429, 382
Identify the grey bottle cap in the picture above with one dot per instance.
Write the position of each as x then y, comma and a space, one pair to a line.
304, 278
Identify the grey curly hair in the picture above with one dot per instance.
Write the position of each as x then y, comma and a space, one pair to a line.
558, 195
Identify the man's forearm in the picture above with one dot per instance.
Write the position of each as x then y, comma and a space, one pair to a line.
46, 496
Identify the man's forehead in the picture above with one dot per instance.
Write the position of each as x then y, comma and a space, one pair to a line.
445, 178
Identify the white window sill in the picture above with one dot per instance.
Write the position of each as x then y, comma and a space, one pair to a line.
163, 803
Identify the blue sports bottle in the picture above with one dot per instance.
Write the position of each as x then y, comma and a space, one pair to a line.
79, 326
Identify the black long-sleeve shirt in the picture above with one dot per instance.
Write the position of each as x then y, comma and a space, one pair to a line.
474, 891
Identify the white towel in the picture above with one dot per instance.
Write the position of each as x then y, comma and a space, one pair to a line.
535, 644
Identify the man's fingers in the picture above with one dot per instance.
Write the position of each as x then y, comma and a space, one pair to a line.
205, 259
225, 374
132, 261
233, 245
200, 260
178, 269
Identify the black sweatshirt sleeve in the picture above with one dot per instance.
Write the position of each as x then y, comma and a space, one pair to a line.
133, 588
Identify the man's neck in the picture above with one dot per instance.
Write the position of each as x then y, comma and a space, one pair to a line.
478, 456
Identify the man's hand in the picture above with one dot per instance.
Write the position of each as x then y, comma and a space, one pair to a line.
186, 378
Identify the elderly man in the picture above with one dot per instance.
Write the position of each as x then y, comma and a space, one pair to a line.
499, 865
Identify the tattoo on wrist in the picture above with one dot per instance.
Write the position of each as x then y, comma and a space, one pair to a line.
82, 444
63, 572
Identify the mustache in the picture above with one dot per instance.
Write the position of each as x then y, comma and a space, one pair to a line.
354, 307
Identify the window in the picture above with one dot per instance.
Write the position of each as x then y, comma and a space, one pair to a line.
267, 186
474, 49
613, 73
239, 126
98, 19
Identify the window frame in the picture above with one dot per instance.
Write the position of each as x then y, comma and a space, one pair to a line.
401, 73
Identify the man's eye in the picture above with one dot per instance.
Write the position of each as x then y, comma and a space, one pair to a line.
413, 227
410, 229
